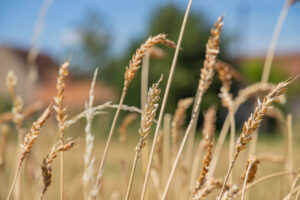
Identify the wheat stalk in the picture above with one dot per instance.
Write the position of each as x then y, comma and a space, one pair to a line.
208, 131
61, 117
207, 72
270, 157
275, 36
130, 73
264, 178
165, 99
4, 129
148, 116
46, 165
28, 142
88, 175
254, 121
227, 102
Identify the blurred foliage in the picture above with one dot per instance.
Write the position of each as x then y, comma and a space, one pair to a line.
168, 20
92, 50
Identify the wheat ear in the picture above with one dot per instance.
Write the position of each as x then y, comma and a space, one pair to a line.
148, 116
61, 117
161, 113
178, 120
208, 131
89, 159
254, 121
206, 76
46, 166
28, 142
243, 95
130, 73
249, 175
207, 72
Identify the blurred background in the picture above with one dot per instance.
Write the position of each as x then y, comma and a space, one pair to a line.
36, 37
104, 34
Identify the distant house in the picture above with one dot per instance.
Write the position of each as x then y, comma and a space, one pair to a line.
44, 88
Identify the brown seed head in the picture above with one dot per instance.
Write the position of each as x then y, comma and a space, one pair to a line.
179, 117
136, 60
252, 162
149, 113
255, 118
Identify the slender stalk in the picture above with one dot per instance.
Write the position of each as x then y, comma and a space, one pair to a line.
289, 196
275, 36
166, 147
100, 172
206, 76
232, 141
14, 182
179, 154
245, 181
165, 99
144, 89
277, 174
289, 163
136, 157
62, 174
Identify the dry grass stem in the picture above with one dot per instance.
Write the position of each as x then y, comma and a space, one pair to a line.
275, 36
267, 177
207, 72
37, 31
172, 70
270, 157
148, 116
46, 166
208, 131
226, 99
289, 138
29, 110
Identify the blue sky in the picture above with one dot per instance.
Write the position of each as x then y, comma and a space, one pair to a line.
253, 20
